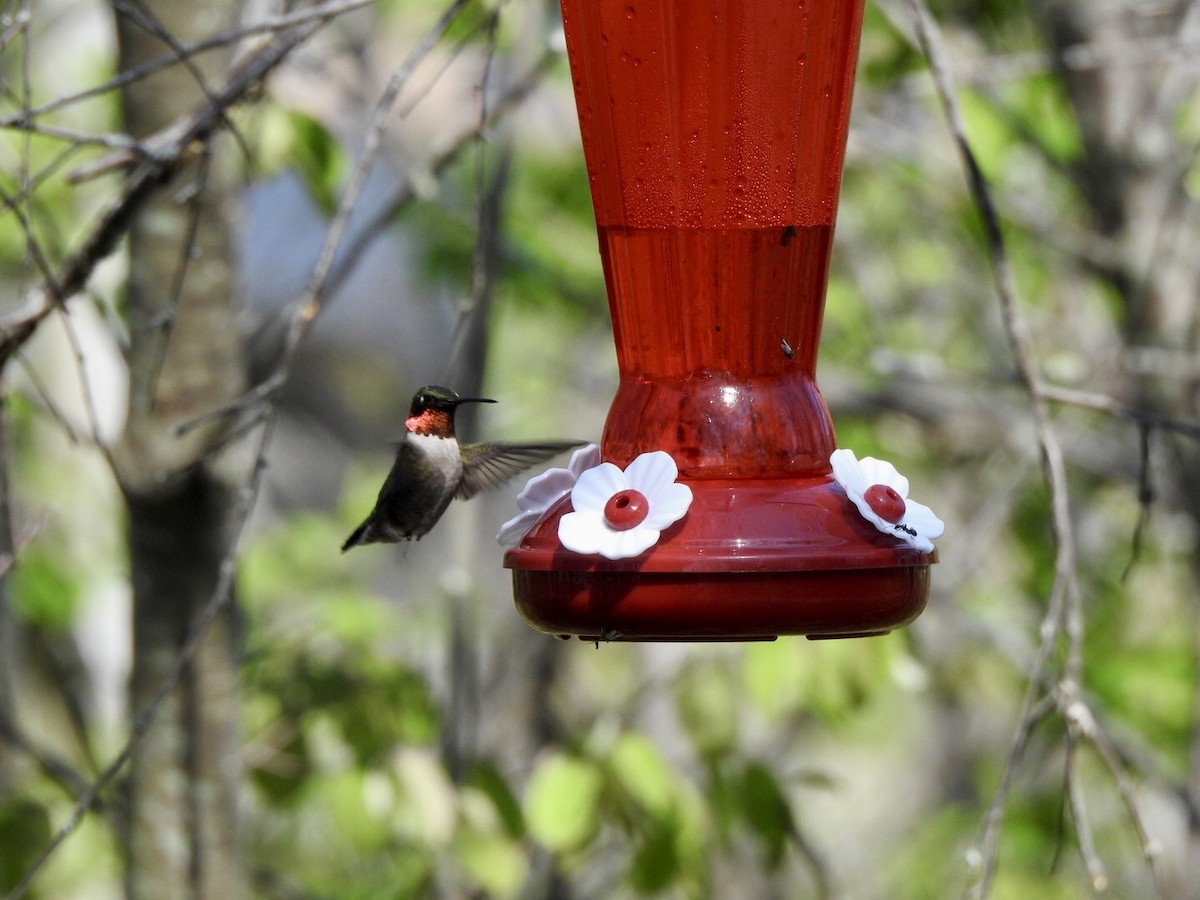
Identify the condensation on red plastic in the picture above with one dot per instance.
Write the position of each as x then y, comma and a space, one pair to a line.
714, 134
713, 114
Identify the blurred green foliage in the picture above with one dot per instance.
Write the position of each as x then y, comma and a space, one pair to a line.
675, 775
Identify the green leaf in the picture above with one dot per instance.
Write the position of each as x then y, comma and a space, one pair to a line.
485, 846
655, 863
494, 861
292, 139
486, 778
562, 805
774, 674
426, 807
641, 772
43, 594
708, 705
24, 832
767, 810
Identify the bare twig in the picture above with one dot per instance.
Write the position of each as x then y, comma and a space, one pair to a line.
1064, 615
1103, 403
1077, 713
1084, 720
1145, 499
54, 767
321, 13
149, 175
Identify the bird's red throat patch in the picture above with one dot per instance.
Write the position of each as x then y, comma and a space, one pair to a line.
431, 421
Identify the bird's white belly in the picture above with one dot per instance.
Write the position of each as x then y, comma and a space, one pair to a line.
443, 458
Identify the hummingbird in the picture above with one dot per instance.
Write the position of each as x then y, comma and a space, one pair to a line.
432, 468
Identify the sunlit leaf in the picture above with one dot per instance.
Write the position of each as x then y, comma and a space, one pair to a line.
708, 704
562, 804
640, 770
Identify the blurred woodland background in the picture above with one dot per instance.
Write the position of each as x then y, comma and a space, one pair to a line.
235, 238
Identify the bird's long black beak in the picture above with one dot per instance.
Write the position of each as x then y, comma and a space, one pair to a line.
461, 400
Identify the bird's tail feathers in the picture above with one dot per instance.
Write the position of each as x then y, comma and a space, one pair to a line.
359, 536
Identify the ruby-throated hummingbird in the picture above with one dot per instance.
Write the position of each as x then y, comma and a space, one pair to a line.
432, 468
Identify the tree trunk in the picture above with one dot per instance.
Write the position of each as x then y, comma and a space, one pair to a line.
184, 360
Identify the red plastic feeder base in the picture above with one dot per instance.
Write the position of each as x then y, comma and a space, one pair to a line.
750, 561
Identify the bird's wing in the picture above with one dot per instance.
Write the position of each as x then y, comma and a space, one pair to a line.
486, 466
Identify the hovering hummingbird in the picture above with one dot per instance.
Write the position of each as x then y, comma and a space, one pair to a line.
432, 468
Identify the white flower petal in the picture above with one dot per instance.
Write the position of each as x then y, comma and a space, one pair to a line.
517, 527
879, 471
921, 517
583, 459
595, 486
581, 532
585, 530
627, 544
864, 510
918, 526
848, 472
650, 470
669, 504
916, 541
541, 491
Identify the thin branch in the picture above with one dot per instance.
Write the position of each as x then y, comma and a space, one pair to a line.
320, 13
1077, 803
144, 18
1114, 407
44, 401
54, 767
112, 140
1066, 618
1091, 728
149, 175
984, 856
1145, 500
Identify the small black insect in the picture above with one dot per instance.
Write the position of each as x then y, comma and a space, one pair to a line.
788, 234
786, 348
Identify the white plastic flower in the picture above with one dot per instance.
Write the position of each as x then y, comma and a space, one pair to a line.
543, 491
881, 495
621, 514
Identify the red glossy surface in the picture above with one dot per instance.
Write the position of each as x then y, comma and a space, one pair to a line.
885, 502
751, 525
626, 509
714, 134
698, 320
712, 114
752, 559
623, 606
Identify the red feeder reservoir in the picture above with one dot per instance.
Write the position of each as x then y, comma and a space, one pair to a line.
714, 134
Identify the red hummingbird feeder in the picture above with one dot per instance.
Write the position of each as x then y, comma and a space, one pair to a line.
714, 134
